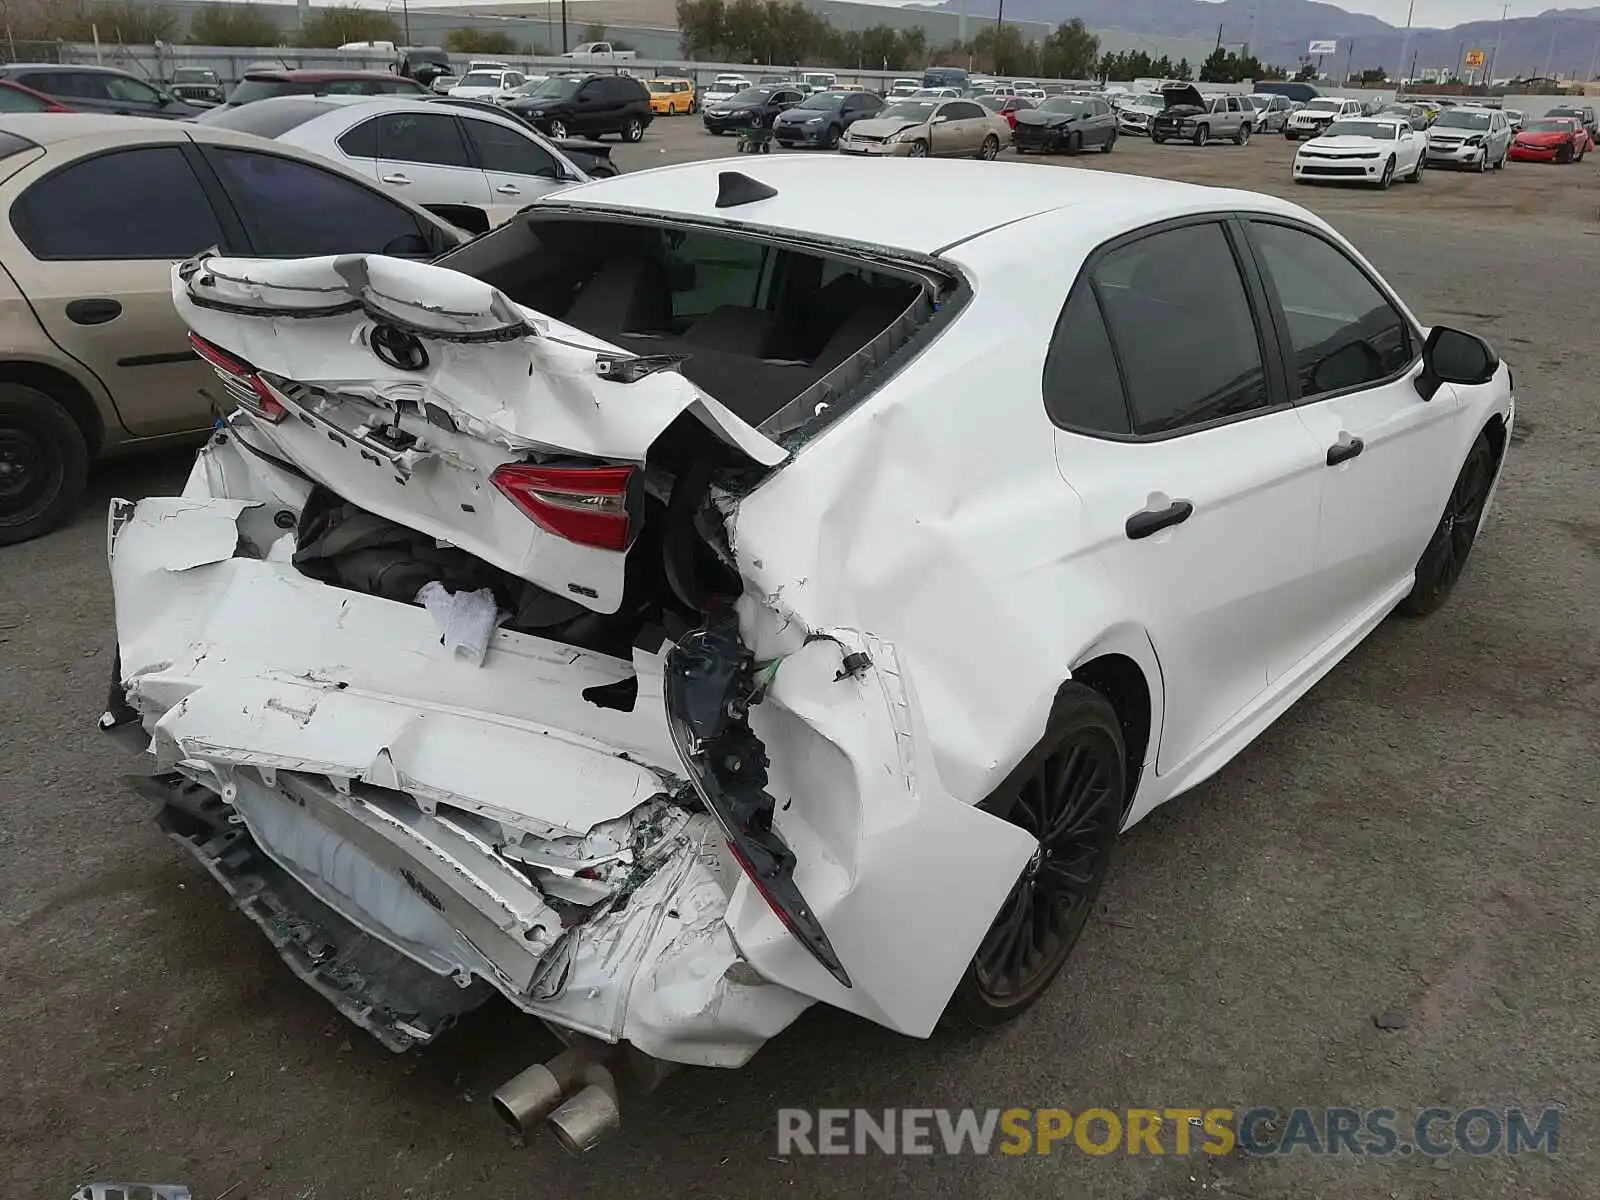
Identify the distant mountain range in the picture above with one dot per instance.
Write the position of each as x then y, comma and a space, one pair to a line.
1557, 41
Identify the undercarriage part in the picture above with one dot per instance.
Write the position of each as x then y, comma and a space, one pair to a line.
589, 1117
392, 997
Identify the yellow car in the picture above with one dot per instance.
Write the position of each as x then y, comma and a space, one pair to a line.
671, 96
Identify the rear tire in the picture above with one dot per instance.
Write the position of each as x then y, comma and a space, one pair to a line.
1416, 175
989, 149
1242, 138
44, 464
1441, 564
1072, 793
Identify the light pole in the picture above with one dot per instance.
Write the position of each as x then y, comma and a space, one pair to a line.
1405, 44
1487, 78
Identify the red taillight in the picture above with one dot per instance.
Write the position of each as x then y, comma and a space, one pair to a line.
587, 505
243, 385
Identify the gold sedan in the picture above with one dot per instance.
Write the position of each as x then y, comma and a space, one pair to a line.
93, 358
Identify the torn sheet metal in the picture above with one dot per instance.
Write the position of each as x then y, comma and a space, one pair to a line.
904, 877
475, 761
500, 371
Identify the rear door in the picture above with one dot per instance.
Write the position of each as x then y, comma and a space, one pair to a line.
1386, 452
423, 157
1200, 482
91, 244
593, 110
518, 169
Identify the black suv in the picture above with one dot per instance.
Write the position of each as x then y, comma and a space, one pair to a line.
585, 104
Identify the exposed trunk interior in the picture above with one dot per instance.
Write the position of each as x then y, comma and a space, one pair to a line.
760, 323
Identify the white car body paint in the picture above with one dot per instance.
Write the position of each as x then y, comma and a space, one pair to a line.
1354, 158
498, 192
977, 559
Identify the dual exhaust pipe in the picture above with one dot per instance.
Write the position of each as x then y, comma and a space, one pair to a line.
574, 1093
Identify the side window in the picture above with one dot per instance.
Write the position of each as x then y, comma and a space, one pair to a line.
128, 204
1082, 385
1180, 290
1344, 332
1233, 105
362, 141
724, 271
295, 209
429, 138
500, 148
130, 91
591, 91
79, 84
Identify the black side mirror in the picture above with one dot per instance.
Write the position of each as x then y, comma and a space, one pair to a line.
1451, 356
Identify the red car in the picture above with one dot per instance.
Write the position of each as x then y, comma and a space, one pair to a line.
1006, 106
1551, 139
15, 98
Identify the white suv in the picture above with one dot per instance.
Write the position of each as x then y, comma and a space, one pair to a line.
1318, 114
1470, 136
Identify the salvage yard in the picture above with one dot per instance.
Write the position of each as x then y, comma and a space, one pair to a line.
1414, 841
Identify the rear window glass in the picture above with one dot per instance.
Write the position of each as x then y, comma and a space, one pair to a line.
11, 144
266, 120
260, 89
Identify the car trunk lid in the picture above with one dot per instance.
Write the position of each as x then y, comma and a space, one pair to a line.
481, 423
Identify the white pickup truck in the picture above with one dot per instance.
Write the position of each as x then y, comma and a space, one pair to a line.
599, 52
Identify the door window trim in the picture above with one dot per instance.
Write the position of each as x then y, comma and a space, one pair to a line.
1280, 317
1269, 339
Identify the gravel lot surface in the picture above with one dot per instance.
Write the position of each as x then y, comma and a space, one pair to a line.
1417, 837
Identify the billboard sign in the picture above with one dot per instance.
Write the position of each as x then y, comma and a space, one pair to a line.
1319, 48
1474, 59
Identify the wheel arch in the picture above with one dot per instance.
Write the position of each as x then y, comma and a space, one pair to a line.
66, 390
1123, 667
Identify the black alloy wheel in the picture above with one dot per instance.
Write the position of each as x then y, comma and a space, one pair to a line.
1072, 796
1442, 562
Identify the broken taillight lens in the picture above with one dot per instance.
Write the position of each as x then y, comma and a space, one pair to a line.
587, 505
244, 386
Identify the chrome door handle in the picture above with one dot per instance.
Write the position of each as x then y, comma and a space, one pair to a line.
509, 189
397, 180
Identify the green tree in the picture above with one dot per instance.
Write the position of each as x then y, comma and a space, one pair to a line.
126, 21
1183, 70
233, 25
702, 26
1375, 75
338, 24
477, 41
1306, 73
1002, 49
1069, 52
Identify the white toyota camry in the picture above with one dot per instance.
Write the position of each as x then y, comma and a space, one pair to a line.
1374, 151
700, 598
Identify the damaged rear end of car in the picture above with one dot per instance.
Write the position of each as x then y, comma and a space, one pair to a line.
453, 670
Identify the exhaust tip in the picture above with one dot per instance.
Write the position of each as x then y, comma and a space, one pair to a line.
586, 1120
526, 1099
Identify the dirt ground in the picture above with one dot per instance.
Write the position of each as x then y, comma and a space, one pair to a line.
1417, 838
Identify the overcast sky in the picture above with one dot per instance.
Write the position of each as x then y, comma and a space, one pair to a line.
1444, 13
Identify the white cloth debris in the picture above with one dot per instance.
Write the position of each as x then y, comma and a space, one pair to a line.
466, 620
